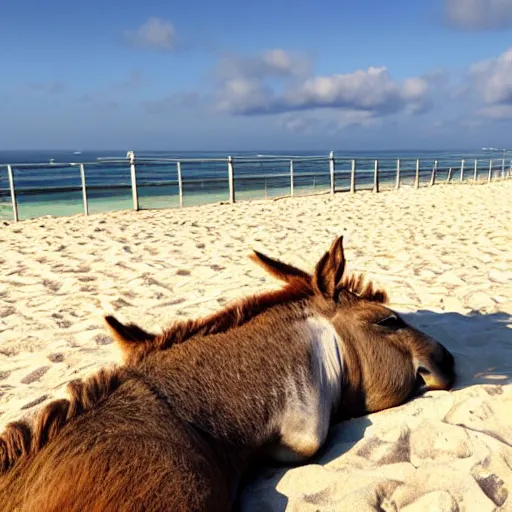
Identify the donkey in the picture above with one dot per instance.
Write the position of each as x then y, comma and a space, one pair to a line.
178, 422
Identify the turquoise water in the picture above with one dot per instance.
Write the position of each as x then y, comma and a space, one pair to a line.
55, 188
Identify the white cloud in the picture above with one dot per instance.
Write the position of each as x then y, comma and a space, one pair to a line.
274, 63
479, 14
154, 33
486, 90
244, 96
277, 82
370, 90
283, 62
492, 80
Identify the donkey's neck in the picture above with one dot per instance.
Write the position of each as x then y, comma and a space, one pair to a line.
274, 381
310, 406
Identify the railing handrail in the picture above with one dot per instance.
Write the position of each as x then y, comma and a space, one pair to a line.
259, 159
409, 166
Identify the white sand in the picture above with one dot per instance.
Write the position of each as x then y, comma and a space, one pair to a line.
443, 254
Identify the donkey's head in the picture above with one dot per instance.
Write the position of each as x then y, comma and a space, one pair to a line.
386, 360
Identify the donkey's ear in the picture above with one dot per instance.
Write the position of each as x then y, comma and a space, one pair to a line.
127, 336
329, 270
278, 269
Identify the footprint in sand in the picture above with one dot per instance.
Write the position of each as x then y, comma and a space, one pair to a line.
52, 285
102, 339
35, 375
57, 357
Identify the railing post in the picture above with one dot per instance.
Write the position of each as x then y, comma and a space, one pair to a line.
417, 179
231, 179
503, 168
353, 177
376, 177
291, 178
475, 172
434, 172
13, 194
180, 183
133, 174
331, 170
462, 170
84, 189
490, 172
449, 177
397, 184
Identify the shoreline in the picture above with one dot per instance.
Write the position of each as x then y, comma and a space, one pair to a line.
71, 204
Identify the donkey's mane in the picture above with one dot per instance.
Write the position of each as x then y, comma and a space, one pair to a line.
231, 316
366, 290
22, 438
241, 311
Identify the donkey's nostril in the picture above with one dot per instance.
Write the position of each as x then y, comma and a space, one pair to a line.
423, 371
420, 381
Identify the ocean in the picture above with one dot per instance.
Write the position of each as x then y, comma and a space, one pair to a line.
47, 184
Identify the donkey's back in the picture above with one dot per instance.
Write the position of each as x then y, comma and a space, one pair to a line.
128, 453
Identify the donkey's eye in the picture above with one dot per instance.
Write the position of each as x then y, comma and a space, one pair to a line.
391, 322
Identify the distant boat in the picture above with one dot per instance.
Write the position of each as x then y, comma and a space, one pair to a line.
77, 153
52, 161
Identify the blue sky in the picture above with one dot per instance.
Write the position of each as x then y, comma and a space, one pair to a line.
353, 74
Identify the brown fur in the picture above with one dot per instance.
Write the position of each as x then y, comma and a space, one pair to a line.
175, 427
21, 439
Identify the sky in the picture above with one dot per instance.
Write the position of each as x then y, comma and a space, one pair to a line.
271, 74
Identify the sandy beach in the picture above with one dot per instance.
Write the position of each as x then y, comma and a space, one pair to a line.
442, 253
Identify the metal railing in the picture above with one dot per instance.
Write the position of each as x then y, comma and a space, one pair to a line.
239, 175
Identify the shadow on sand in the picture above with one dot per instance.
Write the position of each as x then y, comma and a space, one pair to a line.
480, 343
482, 347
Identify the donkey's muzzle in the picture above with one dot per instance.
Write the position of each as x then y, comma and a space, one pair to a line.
438, 373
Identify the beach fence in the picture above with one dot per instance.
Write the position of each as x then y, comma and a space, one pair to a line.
29, 190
